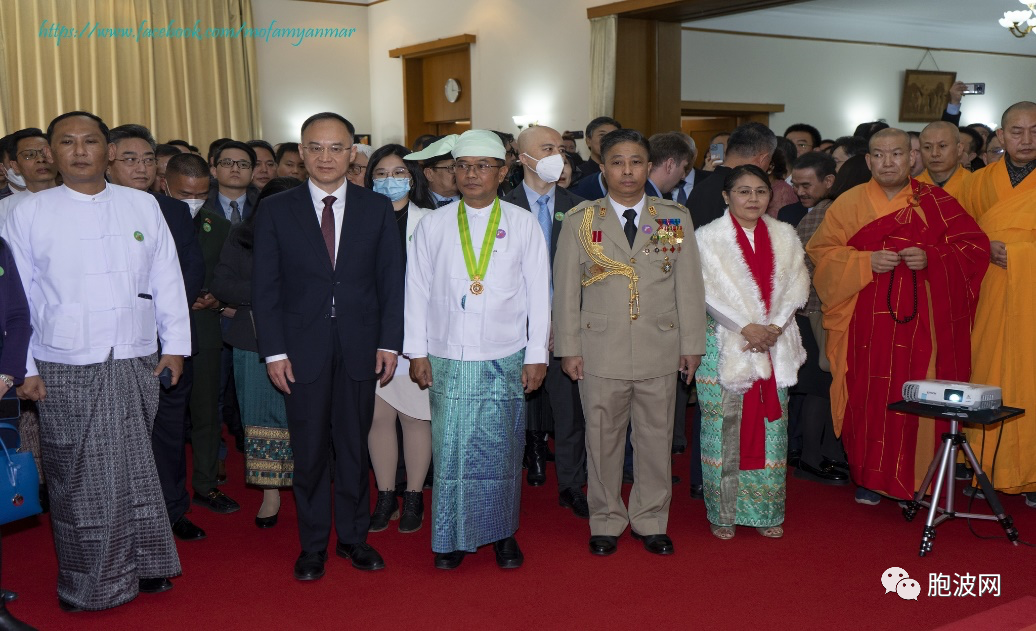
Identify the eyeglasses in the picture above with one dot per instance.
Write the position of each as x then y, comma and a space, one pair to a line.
31, 154
449, 169
131, 161
226, 163
356, 169
999, 151
482, 167
399, 172
748, 192
319, 150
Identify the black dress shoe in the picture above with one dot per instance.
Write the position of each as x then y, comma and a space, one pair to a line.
508, 555
186, 530
412, 516
266, 522
8, 596
655, 544
449, 560
362, 555
9, 623
154, 585
794, 457
536, 458
832, 476
216, 501
310, 565
827, 463
603, 545
575, 500
68, 607
385, 510
697, 492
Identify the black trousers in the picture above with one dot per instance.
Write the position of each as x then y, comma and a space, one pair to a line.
167, 442
336, 412
569, 427
810, 405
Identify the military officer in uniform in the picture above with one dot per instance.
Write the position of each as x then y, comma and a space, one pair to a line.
629, 313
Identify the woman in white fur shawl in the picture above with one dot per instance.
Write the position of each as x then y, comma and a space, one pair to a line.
755, 280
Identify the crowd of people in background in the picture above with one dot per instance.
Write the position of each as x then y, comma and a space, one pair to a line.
437, 313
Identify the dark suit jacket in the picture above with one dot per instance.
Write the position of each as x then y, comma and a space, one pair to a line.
212, 203
212, 230
792, 213
589, 187
192, 266
564, 201
706, 200
293, 283
232, 285
585, 169
951, 118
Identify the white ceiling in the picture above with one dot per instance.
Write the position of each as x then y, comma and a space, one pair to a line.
958, 24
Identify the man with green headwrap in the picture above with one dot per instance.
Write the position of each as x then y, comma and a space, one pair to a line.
477, 323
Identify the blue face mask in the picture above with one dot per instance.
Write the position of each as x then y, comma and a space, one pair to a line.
395, 188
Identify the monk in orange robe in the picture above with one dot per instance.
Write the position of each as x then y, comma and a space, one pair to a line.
941, 151
1002, 197
898, 269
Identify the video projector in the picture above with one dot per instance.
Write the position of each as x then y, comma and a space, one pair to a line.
966, 396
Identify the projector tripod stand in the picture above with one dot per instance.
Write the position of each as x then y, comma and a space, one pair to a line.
942, 471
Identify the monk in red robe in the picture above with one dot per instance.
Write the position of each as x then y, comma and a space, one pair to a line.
899, 264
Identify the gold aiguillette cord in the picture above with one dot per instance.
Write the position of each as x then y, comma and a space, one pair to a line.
595, 252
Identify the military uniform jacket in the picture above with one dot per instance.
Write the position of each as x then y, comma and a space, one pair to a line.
212, 230
594, 318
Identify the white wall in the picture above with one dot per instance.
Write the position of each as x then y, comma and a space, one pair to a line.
836, 86
530, 57
318, 74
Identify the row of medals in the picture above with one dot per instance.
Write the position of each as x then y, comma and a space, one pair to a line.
667, 238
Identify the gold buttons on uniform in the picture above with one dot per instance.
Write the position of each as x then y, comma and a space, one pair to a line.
671, 325
633, 260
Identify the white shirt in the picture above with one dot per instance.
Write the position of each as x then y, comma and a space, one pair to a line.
338, 209
101, 274
8, 203
443, 318
619, 209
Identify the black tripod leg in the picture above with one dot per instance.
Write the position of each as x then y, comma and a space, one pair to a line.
1005, 520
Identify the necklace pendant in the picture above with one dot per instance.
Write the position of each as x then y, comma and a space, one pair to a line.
477, 287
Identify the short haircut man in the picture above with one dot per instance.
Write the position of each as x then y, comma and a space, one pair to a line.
670, 156
440, 171
232, 165
595, 131
751, 143
265, 163
973, 142
289, 162
185, 146
805, 137
26, 155
812, 177
847, 147
100, 270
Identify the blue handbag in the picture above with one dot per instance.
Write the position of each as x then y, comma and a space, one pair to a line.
19, 481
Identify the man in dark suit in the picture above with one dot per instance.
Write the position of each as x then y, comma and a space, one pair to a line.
558, 399
135, 166
751, 143
682, 191
670, 157
328, 308
596, 129
812, 176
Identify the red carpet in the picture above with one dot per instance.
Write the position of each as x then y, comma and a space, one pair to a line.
824, 574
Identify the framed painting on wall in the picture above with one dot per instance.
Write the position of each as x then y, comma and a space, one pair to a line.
925, 93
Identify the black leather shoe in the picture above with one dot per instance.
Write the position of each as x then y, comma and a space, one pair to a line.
603, 545
536, 458
154, 585
310, 565
385, 511
266, 522
68, 607
827, 463
186, 530
794, 457
449, 560
412, 516
832, 476
697, 492
216, 501
8, 596
508, 555
655, 544
575, 500
362, 555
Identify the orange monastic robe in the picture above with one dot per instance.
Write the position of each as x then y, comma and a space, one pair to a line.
953, 186
871, 352
1004, 337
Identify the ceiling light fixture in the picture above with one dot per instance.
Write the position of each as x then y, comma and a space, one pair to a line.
1020, 23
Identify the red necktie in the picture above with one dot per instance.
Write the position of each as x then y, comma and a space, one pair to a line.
327, 227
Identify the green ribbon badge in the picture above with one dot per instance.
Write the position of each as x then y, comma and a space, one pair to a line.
138, 235
206, 228
1, 271
559, 216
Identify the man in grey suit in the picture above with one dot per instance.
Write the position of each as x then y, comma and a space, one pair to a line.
540, 154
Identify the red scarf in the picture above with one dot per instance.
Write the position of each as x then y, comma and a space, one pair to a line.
760, 403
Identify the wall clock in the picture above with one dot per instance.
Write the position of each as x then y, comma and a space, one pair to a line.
452, 90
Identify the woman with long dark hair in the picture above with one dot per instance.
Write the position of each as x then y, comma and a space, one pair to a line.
402, 181
268, 456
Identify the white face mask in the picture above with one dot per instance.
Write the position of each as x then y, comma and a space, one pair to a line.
14, 178
549, 168
195, 205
